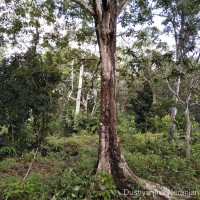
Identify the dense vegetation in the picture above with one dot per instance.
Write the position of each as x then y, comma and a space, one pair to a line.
52, 98
63, 166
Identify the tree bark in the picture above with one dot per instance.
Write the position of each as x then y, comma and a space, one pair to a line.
172, 126
106, 34
188, 120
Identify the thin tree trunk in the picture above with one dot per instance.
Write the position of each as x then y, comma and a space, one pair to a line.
188, 131
188, 120
95, 102
154, 97
78, 98
187, 115
72, 83
85, 103
11, 133
179, 50
172, 125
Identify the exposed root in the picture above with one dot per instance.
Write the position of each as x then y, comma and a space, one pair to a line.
156, 191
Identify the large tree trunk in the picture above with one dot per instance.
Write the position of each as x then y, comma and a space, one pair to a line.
106, 35
111, 159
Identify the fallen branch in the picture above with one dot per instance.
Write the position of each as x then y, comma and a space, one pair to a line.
31, 164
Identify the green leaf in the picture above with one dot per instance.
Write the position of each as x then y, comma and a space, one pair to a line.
77, 188
102, 187
73, 195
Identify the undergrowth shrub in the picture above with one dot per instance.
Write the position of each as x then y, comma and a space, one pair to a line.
7, 151
7, 163
84, 123
74, 186
157, 125
157, 159
126, 124
16, 189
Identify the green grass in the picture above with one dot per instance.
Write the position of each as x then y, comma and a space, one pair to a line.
149, 155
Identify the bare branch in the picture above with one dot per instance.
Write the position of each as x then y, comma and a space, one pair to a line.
174, 93
160, 15
122, 6
72, 98
84, 5
31, 164
94, 59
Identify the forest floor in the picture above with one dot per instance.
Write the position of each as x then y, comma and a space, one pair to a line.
63, 167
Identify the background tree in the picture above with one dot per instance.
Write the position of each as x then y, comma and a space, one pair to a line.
181, 20
28, 89
143, 75
192, 79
